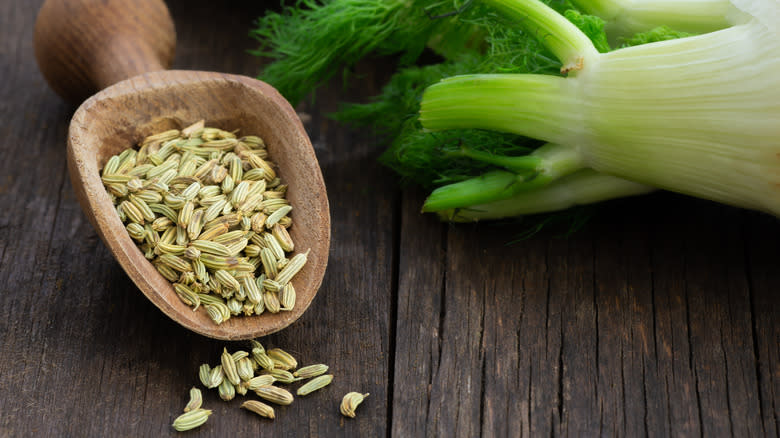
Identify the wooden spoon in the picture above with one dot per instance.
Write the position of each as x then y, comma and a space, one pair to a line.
83, 46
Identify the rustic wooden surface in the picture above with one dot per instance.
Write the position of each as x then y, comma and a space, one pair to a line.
660, 318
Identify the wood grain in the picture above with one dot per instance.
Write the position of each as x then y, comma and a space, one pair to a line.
421, 277
640, 325
658, 319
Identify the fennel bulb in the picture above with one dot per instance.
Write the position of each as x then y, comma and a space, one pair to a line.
698, 115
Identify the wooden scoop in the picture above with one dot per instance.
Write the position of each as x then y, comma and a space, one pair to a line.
122, 47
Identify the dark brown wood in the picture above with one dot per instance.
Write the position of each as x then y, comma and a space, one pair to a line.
419, 317
642, 324
658, 319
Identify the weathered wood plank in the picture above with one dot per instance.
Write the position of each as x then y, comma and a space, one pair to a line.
627, 381
516, 341
417, 332
33, 176
640, 325
763, 254
720, 326
456, 395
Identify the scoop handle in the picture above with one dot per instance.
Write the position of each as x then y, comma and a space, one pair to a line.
83, 46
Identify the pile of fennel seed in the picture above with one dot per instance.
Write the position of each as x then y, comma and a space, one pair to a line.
262, 372
209, 211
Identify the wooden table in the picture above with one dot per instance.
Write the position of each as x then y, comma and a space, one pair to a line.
659, 318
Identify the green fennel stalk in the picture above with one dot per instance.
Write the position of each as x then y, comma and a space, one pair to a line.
627, 17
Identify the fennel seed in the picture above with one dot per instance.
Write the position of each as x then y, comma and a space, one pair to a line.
262, 371
350, 402
196, 400
310, 371
191, 420
315, 384
259, 408
275, 395
208, 209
